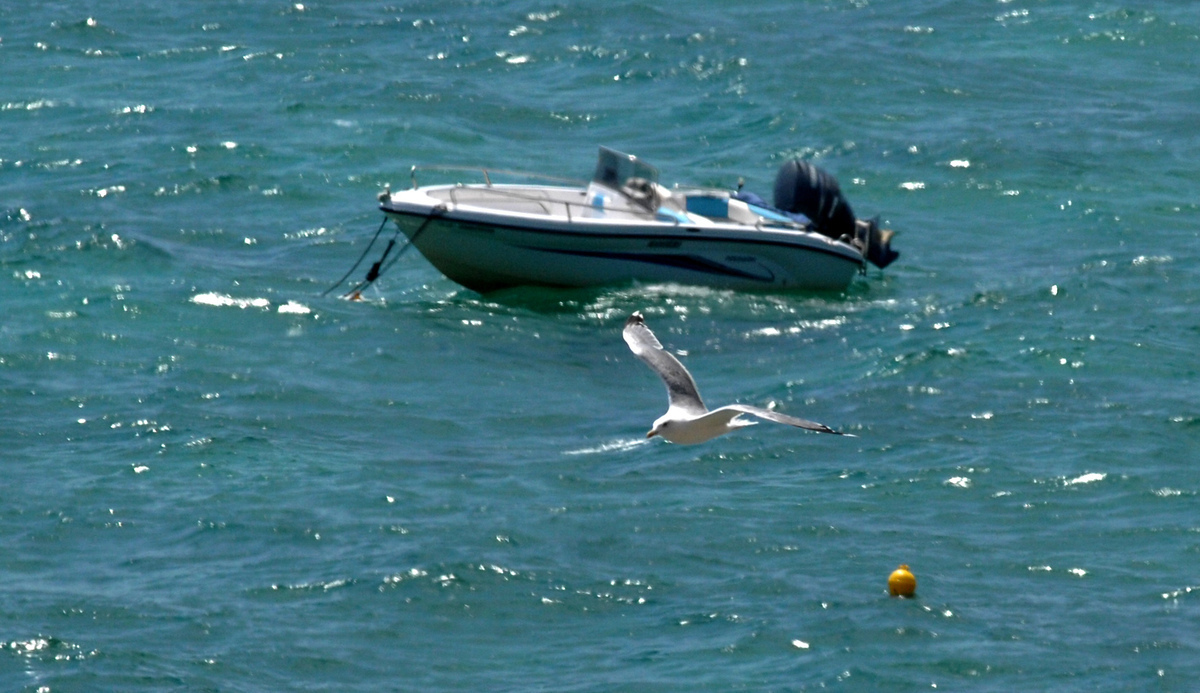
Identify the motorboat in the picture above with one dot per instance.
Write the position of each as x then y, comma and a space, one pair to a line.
623, 226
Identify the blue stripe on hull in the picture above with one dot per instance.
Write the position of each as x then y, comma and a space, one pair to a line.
691, 263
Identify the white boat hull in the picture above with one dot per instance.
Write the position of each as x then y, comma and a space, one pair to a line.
486, 250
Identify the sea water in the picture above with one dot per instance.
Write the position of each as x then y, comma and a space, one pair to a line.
216, 478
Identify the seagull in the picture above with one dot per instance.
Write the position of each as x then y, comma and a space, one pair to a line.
687, 420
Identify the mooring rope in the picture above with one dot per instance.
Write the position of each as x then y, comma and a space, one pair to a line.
378, 268
360, 259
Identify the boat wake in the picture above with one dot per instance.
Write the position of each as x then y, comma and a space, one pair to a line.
616, 445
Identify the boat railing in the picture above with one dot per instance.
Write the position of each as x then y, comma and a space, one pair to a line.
549, 205
544, 203
487, 174
529, 195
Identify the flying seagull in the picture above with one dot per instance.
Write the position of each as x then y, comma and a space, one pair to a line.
687, 420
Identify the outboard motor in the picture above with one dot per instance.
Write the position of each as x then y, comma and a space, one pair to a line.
803, 188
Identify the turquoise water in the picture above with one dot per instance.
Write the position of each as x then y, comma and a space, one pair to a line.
216, 479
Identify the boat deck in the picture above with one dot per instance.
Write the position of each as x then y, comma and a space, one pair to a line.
561, 202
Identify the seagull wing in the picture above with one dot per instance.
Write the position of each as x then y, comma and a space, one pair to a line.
681, 389
783, 419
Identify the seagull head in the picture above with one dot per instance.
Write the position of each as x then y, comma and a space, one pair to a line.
659, 428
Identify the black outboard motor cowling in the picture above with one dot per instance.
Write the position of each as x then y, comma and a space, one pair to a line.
803, 188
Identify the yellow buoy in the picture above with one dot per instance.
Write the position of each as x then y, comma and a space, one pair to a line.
902, 583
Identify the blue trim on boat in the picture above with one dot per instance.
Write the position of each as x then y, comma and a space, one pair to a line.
687, 262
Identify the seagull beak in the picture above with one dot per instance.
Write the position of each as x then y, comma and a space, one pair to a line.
651, 434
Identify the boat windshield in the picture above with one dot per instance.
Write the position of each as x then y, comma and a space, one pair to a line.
616, 170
